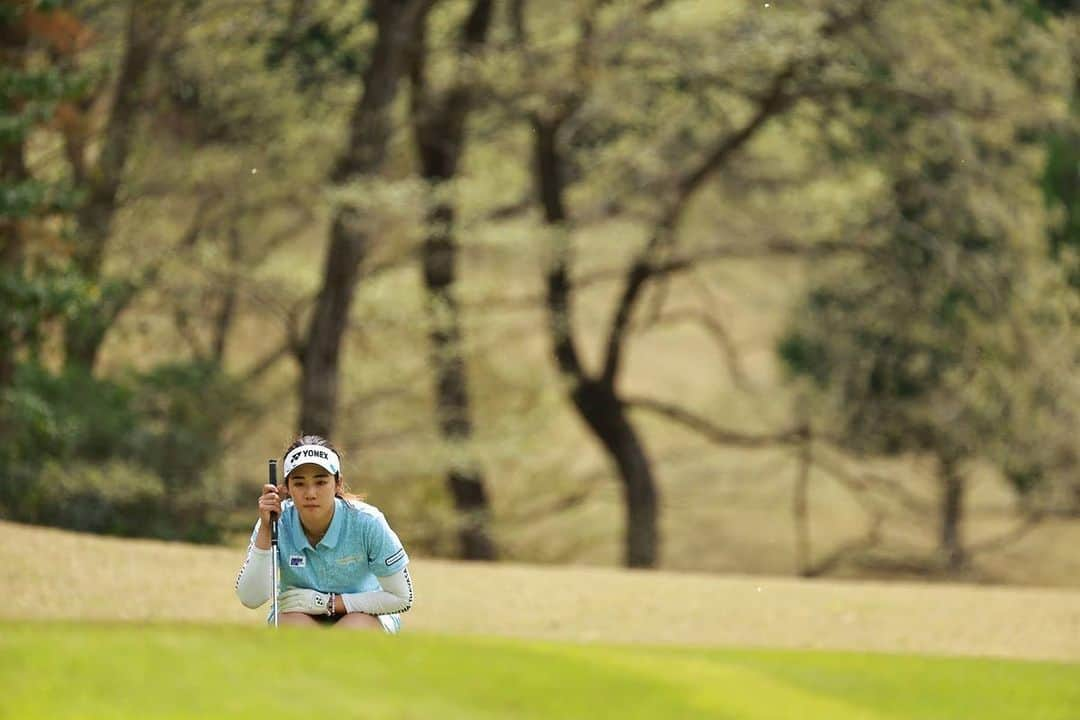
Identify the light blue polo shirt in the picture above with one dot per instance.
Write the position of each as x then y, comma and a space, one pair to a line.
358, 548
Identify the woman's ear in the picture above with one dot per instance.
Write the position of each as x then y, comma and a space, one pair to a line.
283, 489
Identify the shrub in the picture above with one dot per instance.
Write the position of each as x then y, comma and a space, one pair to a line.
132, 458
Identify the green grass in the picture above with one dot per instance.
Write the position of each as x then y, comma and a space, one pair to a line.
68, 670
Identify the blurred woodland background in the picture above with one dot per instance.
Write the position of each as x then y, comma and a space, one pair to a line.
718, 285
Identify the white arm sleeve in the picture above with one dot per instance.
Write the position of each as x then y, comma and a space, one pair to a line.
253, 582
396, 596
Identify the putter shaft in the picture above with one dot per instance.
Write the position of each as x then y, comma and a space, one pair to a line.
273, 550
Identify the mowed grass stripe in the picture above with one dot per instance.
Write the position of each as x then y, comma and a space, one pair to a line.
915, 686
69, 670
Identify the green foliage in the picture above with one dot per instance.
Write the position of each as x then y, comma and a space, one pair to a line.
914, 345
1061, 185
319, 53
113, 497
33, 198
805, 355
10, 11
66, 416
1053, 6
35, 287
59, 429
40, 89
159, 438
28, 100
50, 293
185, 410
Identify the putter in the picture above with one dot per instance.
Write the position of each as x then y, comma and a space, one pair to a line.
273, 550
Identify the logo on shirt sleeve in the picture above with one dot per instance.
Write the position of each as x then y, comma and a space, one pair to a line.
395, 557
297, 561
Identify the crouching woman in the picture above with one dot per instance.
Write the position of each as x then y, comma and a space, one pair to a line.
340, 563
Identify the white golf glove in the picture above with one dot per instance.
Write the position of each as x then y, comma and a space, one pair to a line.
303, 600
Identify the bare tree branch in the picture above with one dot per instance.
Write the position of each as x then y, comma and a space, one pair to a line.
774, 100
712, 432
266, 363
1027, 523
847, 550
800, 510
642, 270
779, 247
800, 504
716, 331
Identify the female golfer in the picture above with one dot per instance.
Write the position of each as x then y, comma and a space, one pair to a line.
340, 563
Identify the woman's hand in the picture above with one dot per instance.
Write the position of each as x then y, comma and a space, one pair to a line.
269, 502
302, 600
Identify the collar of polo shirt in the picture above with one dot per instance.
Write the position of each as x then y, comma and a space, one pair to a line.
329, 540
315, 454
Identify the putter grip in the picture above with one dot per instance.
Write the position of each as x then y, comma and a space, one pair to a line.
273, 516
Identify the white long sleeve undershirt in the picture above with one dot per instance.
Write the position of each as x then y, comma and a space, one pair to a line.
253, 582
395, 595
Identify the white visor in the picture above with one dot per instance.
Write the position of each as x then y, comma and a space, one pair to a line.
314, 454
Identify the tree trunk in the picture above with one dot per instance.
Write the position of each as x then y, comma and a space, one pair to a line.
226, 312
952, 513
85, 332
13, 171
595, 400
800, 507
439, 131
369, 132
607, 418
466, 483
370, 127
322, 352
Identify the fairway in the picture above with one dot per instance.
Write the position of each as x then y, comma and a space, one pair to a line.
170, 671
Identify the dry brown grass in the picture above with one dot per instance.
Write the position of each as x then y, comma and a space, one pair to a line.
52, 574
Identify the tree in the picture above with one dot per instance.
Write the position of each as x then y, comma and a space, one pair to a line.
439, 119
103, 179
369, 131
33, 286
693, 155
921, 343
1061, 181
157, 429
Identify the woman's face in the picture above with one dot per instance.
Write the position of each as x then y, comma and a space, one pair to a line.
312, 488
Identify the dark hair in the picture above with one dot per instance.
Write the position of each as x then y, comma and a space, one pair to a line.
344, 492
